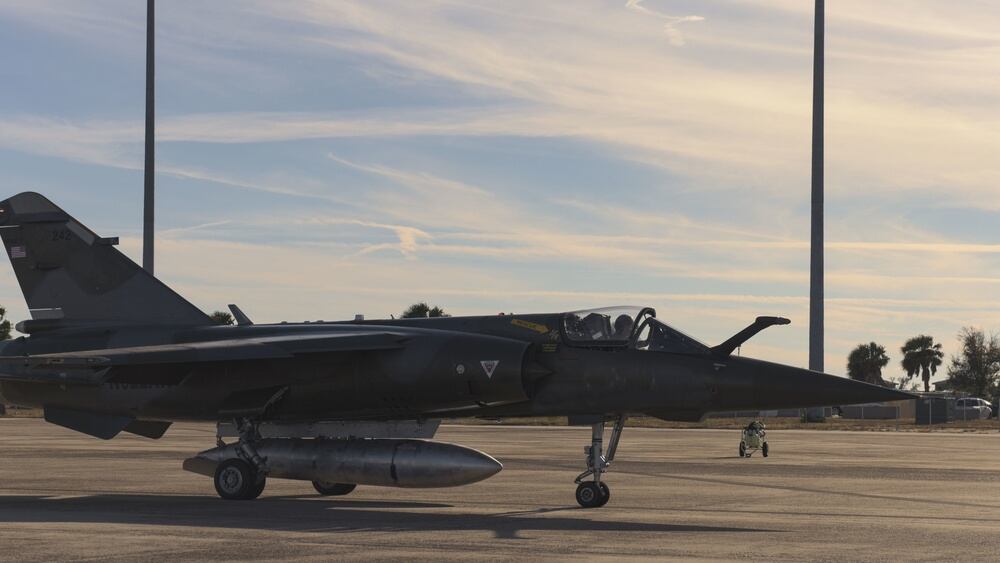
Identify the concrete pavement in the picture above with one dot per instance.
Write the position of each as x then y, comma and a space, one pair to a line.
675, 494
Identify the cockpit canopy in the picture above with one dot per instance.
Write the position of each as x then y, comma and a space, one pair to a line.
627, 327
602, 325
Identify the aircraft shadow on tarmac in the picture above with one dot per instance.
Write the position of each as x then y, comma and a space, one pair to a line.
812, 490
296, 514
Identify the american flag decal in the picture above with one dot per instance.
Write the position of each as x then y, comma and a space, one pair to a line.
18, 252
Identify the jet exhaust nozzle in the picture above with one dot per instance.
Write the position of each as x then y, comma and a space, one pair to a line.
379, 462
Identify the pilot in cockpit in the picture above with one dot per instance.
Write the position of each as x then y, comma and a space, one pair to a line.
623, 328
595, 326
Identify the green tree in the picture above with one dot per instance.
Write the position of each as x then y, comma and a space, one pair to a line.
422, 310
221, 318
976, 369
865, 363
4, 324
921, 355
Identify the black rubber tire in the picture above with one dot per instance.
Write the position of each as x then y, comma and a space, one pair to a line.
606, 494
235, 479
257, 489
764, 449
743, 449
333, 489
590, 495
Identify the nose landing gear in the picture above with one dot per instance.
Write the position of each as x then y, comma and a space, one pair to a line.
595, 493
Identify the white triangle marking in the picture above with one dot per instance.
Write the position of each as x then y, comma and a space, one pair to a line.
489, 366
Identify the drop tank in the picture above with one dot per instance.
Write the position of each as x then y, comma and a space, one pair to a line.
379, 462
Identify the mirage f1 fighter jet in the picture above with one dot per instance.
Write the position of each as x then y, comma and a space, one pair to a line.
110, 348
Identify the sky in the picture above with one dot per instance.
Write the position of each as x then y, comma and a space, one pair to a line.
316, 160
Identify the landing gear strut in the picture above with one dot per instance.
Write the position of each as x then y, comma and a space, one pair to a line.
595, 493
245, 476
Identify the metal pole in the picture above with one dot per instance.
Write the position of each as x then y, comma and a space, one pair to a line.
816, 245
148, 170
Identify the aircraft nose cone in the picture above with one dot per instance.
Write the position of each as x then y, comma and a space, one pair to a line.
815, 389
779, 386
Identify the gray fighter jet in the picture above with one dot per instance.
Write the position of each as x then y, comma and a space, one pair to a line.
110, 348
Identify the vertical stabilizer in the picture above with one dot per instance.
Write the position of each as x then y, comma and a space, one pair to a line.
67, 271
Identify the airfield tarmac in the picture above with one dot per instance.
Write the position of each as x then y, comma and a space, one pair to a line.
675, 494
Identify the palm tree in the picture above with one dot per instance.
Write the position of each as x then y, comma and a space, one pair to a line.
865, 363
922, 355
221, 318
422, 310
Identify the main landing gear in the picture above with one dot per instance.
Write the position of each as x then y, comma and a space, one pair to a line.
245, 476
242, 475
595, 493
333, 489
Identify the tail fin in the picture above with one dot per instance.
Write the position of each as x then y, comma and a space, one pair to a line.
68, 272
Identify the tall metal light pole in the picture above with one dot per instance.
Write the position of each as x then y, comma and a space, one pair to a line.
816, 245
148, 170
